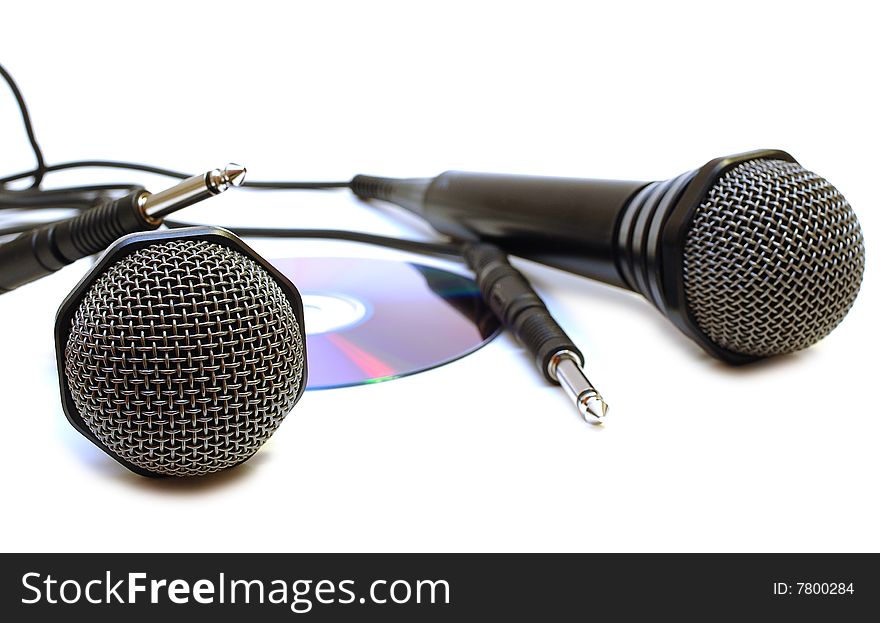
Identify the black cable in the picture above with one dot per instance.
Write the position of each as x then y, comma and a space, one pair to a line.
23, 227
258, 185
87, 197
49, 192
71, 197
109, 164
448, 249
37, 173
145, 168
41, 169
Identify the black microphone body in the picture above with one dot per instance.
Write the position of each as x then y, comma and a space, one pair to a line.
699, 246
564, 222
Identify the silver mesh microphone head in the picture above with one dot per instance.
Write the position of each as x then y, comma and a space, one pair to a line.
773, 259
184, 357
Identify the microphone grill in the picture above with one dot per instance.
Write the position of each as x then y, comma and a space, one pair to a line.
184, 357
773, 259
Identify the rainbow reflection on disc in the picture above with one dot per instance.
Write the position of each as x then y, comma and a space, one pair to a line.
374, 320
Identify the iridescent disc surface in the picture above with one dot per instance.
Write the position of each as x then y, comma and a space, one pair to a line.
374, 320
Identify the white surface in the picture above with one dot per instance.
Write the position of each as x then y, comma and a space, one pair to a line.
480, 454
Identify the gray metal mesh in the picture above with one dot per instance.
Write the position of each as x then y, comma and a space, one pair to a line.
184, 357
773, 260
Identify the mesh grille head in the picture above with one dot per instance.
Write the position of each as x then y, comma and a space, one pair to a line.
184, 357
773, 259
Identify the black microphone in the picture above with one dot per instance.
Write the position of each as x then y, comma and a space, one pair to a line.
750, 255
180, 352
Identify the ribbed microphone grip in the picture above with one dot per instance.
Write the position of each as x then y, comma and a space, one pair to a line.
517, 305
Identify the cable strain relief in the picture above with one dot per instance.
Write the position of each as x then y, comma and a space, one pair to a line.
545, 339
96, 229
509, 294
370, 187
408, 193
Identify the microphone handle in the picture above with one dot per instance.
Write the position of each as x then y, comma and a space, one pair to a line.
567, 223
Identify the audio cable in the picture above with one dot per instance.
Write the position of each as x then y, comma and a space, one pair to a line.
43, 250
509, 294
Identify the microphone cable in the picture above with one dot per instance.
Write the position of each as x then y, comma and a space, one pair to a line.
81, 198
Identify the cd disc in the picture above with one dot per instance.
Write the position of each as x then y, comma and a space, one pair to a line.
374, 320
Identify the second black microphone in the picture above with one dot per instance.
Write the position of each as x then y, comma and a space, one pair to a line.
750, 255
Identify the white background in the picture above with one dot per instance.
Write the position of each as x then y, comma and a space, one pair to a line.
479, 454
